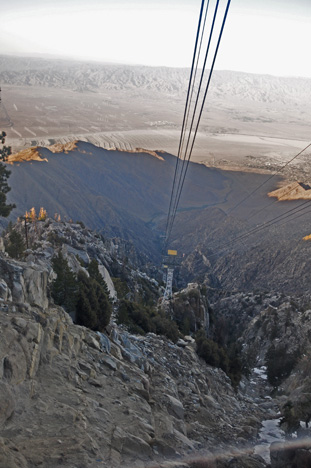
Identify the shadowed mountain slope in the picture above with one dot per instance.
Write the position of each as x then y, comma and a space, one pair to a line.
127, 195
116, 192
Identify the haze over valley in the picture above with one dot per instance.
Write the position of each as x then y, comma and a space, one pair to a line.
253, 121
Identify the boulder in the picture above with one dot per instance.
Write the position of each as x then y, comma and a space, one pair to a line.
129, 444
27, 283
82, 254
175, 407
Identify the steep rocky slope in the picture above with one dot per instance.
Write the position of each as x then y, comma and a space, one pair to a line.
225, 250
72, 397
124, 194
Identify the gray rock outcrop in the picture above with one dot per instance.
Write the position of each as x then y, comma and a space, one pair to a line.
23, 282
67, 400
75, 398
190, 308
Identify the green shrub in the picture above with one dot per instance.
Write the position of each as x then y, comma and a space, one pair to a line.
215, 355
55, 239
290, 417
81, 224
165, 326
144, 319
210, 351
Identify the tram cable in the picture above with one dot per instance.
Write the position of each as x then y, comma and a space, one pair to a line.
179, 175
183, 172
185, 123
172, 214
241, 236
268, 179
267, 224
185, 110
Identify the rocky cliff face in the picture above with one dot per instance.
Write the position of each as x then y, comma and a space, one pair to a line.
190, 308
75, 398
24, 282
29, 278
71, 397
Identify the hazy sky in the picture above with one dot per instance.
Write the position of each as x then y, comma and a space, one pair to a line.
261, 36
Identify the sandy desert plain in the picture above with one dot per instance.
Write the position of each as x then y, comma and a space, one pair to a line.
252, 129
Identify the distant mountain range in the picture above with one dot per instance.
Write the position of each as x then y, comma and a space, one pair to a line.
92, 76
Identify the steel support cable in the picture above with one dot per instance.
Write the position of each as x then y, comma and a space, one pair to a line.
272, 203
183, 133
186, 106
290, 216
265, 225
267, 206
194, 111
182, 136
267, 180
200, 114
225, 249
275, 220
187, 109
296, 217
275, 201
201, 110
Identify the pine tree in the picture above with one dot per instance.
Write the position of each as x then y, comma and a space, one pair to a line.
64, 287
5, 209
95, 274
83, 295
97, 301
16, 246
104, 307
5, 151
85, 315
